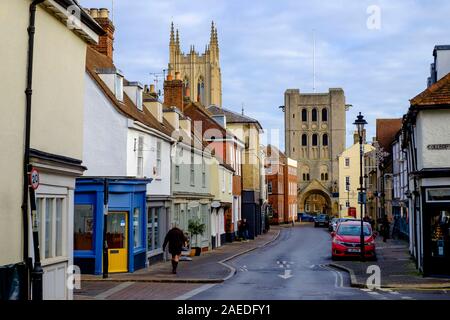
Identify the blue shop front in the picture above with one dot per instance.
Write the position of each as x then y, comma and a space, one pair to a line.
124, 201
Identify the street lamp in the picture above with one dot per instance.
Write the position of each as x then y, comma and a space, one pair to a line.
360, 122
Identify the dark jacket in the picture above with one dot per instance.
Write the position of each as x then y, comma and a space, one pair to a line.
176, 239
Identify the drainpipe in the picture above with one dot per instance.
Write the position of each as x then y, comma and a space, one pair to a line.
37, 270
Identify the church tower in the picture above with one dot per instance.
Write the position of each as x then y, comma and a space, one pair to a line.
199, 72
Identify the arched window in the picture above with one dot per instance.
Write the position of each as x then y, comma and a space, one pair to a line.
314, 114
304, 140
304, 115
324, 114
201, 90
325, 140
326, 176
314, 139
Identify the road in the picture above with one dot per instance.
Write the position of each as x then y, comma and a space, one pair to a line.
294, 267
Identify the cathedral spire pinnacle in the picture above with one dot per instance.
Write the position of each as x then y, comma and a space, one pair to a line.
211, 39
172, 35
177, 40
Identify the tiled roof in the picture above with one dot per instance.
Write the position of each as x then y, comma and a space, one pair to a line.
233, 117
386, 131
437, 94
96, 60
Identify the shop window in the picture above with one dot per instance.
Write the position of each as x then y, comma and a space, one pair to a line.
83, 227
438, 195
50, 215
153, 228
440, 233
269, 187
137, 228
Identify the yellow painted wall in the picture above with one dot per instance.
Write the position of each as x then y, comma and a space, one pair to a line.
353, 172
58, 91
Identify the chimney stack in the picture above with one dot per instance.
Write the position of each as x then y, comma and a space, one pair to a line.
106, 42
173, 91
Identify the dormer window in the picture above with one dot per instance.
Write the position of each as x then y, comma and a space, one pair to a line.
139, 98
118, 87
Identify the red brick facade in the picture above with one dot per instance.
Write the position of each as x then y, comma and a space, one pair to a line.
173, 93
106, 41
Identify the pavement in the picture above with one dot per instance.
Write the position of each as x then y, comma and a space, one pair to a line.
398, 270
209, 267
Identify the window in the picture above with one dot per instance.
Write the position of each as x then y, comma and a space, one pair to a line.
326, 176
153, 228
269, 187
223, 180
306, 177
347, 183
347, 204
203, 173
304, 140
201, 90
324, 115
137, 228
177, 173
139, 99
347, 162
158, 158
50, 215
118, 87
304, 115
314, 115
314, 139
83, 227
140, 157
293, 116
325, 140
192, 177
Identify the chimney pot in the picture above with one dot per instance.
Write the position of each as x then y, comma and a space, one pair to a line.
188, 92
169, 77
177, 76
93, 13
152, 88
103, 13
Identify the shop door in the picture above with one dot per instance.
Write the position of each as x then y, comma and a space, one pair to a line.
117, 231
439, 245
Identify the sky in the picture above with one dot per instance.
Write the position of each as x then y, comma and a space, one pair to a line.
378, 52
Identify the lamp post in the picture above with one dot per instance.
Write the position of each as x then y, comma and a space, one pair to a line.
360, 122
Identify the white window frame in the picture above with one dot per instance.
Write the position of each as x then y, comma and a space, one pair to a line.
192, 170
177, 174
42, 200
158, 158
140, 157
203, 173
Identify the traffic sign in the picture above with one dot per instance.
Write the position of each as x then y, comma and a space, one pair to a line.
34, 178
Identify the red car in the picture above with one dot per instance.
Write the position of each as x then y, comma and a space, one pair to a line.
346, 240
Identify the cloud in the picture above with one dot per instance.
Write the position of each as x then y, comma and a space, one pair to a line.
266, 47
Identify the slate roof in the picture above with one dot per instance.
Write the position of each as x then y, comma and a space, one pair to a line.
96, 60
233, 117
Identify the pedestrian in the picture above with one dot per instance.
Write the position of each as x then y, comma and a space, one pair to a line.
176, 240
245, 229
385, 226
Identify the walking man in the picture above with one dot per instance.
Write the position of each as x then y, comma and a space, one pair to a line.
176, 239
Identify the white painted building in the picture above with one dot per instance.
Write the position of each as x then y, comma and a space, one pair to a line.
427, 145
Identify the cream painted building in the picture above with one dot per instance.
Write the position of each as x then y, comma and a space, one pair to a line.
56, 132
349, 163
200, 72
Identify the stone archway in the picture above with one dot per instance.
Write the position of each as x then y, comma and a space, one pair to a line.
315, 198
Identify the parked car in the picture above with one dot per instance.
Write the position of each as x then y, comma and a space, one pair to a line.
322, 220
306, 217
346, 240
334, 223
